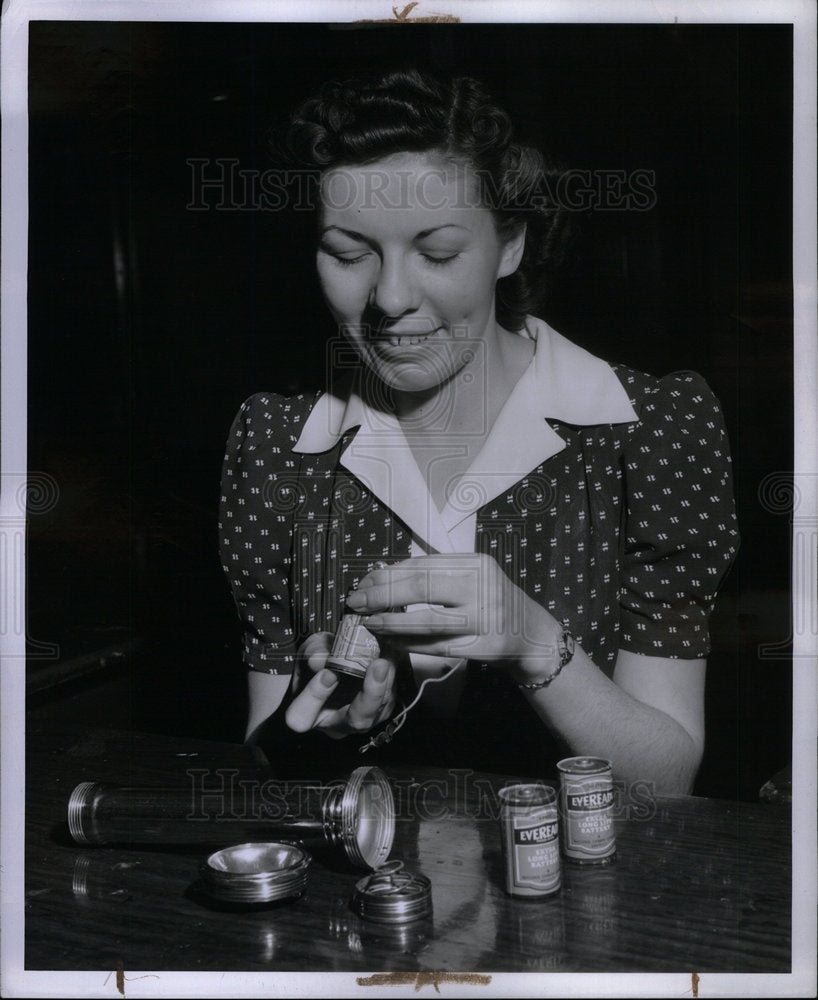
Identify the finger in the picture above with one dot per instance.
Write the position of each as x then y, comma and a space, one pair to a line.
421, 623
453, 562
378, 577
367, 705
305, 708
317, 660
317, 642
431, 584
469, 647
456, 562
312, 657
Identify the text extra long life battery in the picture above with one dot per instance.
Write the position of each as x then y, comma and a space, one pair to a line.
586, 810
529, 823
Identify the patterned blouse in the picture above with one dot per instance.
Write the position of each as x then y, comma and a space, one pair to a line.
607, 497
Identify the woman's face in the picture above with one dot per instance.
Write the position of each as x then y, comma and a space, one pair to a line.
408, 261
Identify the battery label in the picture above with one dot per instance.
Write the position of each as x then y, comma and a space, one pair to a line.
533, 854
536, 834
587, 801
588, 814
354, 647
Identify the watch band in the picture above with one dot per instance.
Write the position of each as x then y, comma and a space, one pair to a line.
566, 647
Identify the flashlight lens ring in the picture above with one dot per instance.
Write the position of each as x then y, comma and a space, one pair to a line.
367, 817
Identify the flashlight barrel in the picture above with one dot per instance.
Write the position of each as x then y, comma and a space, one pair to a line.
107, 814
356, 814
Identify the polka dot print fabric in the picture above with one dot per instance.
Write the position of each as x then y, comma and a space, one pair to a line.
625, 533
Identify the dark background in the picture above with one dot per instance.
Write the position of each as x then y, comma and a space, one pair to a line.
149, 323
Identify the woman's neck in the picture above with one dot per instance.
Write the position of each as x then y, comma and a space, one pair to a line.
447, 428
471, 400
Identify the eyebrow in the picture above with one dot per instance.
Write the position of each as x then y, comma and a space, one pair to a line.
364, 239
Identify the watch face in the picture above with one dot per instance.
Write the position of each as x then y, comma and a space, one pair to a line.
567, 646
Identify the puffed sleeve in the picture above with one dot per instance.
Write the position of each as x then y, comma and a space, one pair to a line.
255, 526
680, 532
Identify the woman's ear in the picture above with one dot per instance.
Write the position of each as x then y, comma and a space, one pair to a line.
512, 253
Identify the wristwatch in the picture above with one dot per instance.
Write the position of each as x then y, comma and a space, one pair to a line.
565, 647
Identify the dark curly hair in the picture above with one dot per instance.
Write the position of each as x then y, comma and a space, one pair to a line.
359, 122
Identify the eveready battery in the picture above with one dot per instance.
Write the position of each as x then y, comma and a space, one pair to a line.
530, 831
586, 810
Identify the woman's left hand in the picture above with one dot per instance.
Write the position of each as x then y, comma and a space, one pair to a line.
314, 688
470, 609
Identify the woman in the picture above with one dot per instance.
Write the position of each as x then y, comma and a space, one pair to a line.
554, 528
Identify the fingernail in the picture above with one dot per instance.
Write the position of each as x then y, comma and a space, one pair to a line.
366, 583
328, 678
379, 671
356, 600
373, 622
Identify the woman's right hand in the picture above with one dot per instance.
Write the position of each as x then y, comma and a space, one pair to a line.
314, 685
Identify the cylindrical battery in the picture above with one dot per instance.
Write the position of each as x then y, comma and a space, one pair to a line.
530, 832
586, 810
353, 648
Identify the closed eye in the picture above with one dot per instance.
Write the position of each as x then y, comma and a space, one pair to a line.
432, 259
352, 257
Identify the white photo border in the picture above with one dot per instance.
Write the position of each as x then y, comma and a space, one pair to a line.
16, 981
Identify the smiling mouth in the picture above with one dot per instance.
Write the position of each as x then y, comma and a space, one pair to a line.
402, 340
408, 338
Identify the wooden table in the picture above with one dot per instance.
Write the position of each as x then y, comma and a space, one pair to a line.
699, 884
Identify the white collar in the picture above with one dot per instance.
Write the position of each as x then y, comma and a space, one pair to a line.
563, 382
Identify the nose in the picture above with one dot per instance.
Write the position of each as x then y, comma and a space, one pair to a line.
394, 292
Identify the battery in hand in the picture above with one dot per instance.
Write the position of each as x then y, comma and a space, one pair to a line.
353, 648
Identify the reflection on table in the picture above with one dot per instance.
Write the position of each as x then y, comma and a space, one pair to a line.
698, 884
